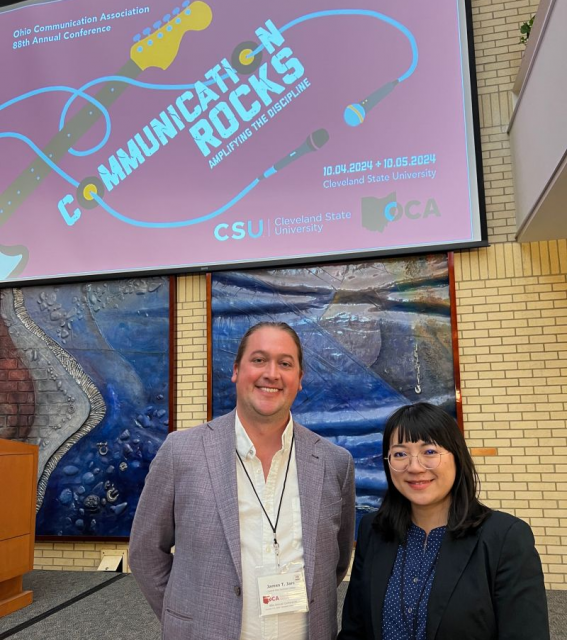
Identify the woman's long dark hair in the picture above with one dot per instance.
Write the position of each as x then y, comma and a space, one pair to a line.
427, 422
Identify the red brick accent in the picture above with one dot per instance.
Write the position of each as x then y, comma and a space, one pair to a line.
17, 398
8, 363
17, 373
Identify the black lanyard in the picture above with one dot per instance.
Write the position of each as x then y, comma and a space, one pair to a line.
273, 527
415, 613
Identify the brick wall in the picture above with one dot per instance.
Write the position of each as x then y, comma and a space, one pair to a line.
512, 315
71, 556
191, 351
512, 321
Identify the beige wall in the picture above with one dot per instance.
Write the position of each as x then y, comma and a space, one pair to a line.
512, 315
512, 320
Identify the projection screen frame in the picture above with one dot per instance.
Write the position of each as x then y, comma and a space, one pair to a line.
471, 104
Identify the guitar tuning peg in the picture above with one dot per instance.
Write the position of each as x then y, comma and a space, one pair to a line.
137, 37
147, 31
185, 4
175, 11
166, 17
157, 25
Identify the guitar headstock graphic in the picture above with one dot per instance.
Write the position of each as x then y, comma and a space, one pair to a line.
158, 48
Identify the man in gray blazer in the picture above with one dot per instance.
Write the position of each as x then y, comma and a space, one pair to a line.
259, 508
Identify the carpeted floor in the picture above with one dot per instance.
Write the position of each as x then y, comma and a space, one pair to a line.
100, 606
557, 606
116, 611
51, 589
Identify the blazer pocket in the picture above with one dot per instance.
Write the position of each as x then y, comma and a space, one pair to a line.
176, 626
179, 616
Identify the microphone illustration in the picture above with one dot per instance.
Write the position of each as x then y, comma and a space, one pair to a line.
355, 114
314, 142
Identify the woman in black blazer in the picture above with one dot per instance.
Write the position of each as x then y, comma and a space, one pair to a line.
434, 563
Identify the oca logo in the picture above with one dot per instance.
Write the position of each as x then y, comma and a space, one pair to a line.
378, 212
238, 230
268, 599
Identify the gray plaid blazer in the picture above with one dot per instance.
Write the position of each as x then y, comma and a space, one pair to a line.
190, 501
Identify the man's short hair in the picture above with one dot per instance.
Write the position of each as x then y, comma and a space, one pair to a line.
282, 326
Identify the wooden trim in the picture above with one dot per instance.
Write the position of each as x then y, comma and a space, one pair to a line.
18, 478
33, 513
86, 539
209, 347
172, 353
455, 339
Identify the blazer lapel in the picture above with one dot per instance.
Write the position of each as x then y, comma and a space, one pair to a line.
220, 447
383, 558
453, 559
310, 471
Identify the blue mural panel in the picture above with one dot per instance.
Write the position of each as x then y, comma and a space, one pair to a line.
98, 355
376, 335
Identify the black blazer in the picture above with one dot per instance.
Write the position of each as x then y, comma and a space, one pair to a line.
487, 586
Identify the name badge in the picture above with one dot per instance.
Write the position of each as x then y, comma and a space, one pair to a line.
283, 593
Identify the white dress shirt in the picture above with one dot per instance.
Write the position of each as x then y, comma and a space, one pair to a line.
257, 538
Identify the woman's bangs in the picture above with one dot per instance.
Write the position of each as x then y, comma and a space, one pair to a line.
416, 430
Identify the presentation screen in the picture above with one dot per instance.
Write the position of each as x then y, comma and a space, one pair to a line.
149, 136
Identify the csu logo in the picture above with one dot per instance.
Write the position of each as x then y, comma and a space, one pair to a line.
238, 230
378, 212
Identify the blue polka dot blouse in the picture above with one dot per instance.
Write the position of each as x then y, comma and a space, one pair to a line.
404, 615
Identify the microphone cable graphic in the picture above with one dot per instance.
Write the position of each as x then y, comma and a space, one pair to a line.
354, 115
314, 142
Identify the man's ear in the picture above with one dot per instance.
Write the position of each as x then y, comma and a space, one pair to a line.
300, 381
234, 372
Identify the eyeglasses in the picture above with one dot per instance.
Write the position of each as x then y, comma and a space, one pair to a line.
400, 460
